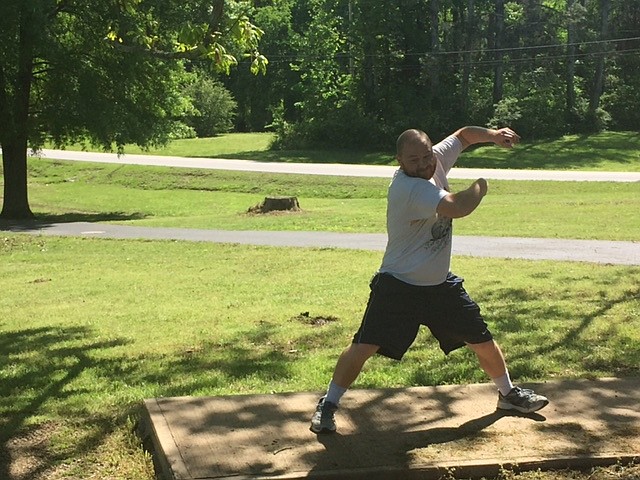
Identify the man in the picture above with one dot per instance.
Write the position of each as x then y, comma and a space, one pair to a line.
414, 286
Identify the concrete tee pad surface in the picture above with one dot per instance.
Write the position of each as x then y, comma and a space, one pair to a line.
410, 433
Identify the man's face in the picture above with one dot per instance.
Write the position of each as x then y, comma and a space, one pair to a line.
417, 159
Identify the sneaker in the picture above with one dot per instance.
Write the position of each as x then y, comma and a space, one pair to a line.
522, 400
323, 421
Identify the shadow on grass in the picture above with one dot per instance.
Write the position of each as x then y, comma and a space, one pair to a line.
570, 330
88, 217
215, 365
313, 156
45, 220
566, 153
44, 386
39, 366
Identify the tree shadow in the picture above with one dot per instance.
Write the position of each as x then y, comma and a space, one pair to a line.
312, 156
571, 337
397, 443
46, 365
45, 220
571, 152
40, 365
228, 362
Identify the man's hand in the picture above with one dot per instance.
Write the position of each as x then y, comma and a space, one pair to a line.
483, 186
505, 138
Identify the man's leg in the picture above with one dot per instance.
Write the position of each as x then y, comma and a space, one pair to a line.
347, 369
492, 362
350, 363
490, 357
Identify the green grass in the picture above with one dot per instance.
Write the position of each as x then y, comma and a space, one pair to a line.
215, 199
252, 146
606, 151
91, 327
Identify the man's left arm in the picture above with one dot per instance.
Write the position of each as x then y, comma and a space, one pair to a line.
503, 137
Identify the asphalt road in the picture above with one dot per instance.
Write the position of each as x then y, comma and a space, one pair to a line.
594, 251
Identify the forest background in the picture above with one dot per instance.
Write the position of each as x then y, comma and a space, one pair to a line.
354, 73
318, 73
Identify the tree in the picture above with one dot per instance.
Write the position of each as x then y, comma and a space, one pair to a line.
214, 107
598, 79
104, 71
255, 112
498, 38
356, 72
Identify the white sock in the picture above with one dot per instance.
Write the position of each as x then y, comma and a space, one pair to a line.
334, 393
503, 383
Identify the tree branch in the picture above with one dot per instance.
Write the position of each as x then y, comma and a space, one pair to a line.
162, 54
216, 19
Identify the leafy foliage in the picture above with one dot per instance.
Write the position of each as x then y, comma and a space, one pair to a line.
355, 72
107, 72
214, 107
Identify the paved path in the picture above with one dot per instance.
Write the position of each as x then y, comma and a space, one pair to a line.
595, 251
404, 434
625, 253
335, 169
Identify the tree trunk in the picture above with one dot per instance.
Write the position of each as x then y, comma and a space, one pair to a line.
571, 60
498, 70
434, 23
598, 81
271, 204
469, 43
14, 138
14, 162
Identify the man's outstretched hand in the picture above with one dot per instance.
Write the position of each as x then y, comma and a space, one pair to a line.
506, 138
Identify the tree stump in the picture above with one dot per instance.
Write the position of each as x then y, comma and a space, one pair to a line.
271, 204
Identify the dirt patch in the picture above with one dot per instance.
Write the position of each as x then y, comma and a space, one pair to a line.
315, 321
28, 456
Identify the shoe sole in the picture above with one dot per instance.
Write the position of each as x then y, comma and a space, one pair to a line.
509, 406
322, 431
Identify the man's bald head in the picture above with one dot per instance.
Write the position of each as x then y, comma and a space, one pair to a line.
411, 136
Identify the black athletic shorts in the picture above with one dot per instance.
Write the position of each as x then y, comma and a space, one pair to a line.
396, 310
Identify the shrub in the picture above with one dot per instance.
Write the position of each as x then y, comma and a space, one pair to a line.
214, 107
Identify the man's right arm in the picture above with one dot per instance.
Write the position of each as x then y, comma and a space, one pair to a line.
461, 204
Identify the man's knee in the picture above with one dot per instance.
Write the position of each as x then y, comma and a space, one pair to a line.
361, 351
488, 347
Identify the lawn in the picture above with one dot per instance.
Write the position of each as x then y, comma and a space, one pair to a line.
217, 199
90, 327
605, 151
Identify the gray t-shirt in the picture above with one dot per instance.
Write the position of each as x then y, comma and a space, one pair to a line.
419, 240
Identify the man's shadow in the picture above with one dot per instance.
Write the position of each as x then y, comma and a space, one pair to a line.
386, 451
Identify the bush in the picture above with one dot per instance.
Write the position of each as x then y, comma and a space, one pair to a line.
214, 107
345, 127
506, 113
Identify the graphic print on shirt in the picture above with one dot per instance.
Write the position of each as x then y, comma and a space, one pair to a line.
440, 233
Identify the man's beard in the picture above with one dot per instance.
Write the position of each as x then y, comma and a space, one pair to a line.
427, 173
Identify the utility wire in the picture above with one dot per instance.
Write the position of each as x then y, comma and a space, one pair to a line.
346, 55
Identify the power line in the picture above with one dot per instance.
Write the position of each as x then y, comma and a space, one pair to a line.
528, 47
346, 55
458, 62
